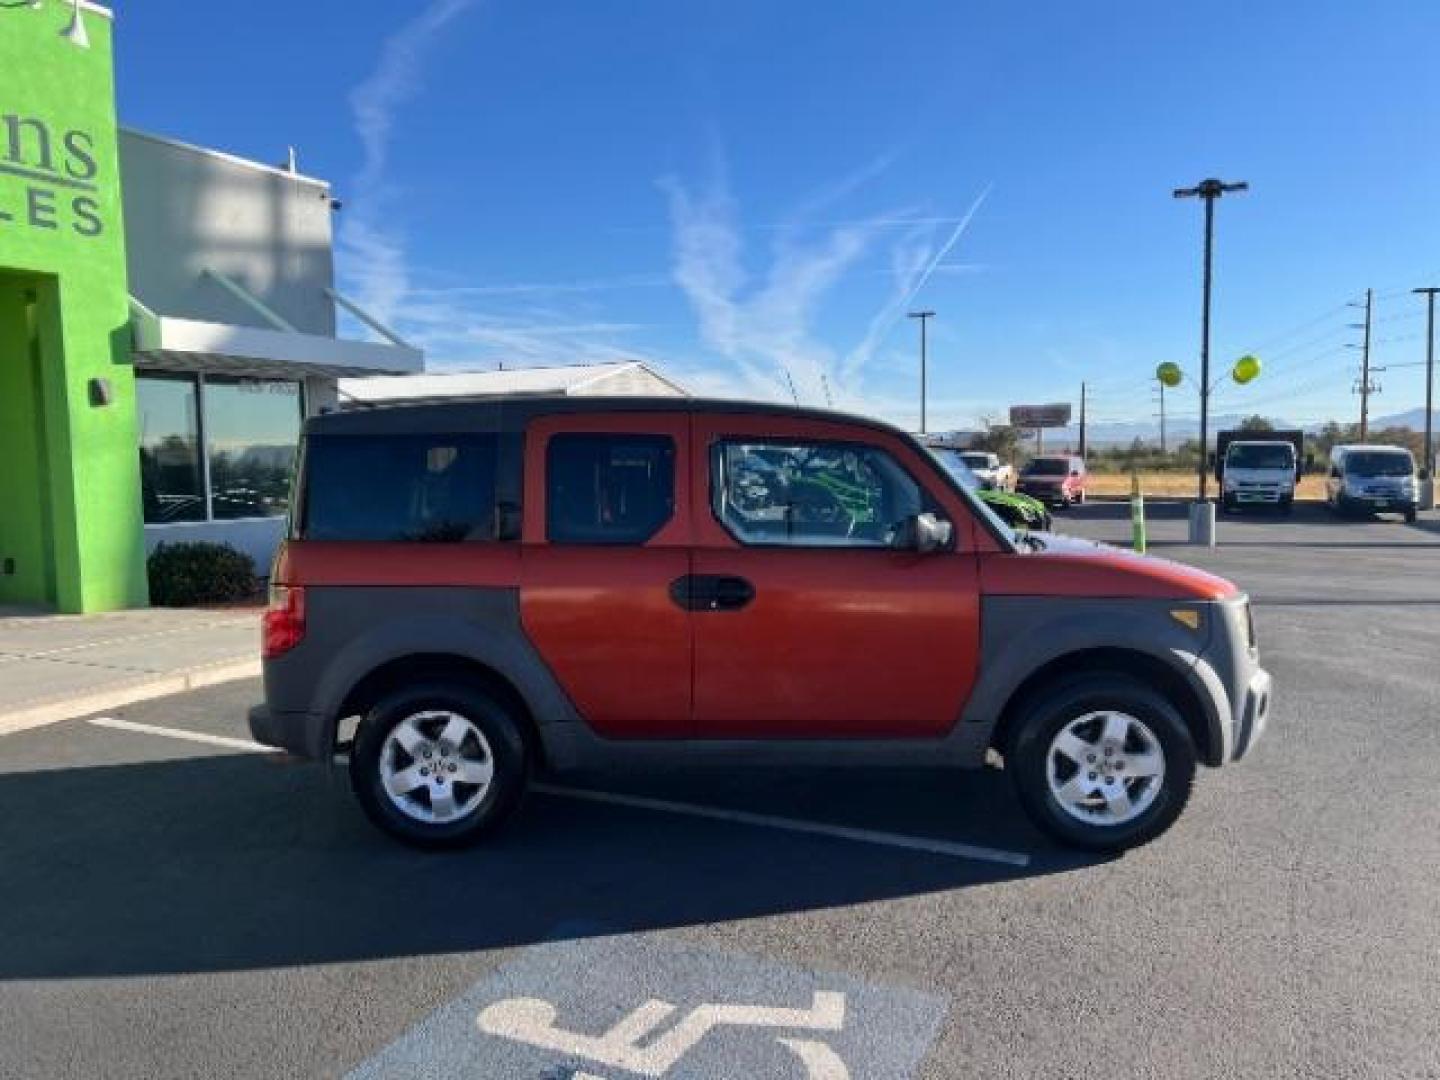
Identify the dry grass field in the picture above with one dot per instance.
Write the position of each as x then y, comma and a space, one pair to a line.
1176, 485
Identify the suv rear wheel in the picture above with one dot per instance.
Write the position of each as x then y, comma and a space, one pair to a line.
1102, 762
438, 765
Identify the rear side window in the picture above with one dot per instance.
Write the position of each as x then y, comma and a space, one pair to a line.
423, 488
608, 489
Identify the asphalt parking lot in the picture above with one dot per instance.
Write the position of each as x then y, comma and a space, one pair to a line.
176, 904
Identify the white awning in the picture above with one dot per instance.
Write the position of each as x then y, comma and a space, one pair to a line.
189, 344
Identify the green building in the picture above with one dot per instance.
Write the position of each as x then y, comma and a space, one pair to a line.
167, 318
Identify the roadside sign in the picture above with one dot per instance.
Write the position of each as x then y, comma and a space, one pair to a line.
1040, 416
617, 1008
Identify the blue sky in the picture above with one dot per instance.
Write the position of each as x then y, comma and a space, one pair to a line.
727, 188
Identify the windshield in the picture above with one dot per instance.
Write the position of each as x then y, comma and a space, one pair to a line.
1260, 456
977, 461
1379, 463
1048, 466
953, 462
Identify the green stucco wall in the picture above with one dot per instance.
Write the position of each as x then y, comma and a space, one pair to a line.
62, 239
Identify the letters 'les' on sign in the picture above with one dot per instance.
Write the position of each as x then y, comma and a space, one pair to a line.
49, 177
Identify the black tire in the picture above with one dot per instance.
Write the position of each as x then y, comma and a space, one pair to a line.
508, 758
1287, 507
1044, 716
1227, 504
1410, 516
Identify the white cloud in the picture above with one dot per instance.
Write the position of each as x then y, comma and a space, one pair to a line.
375, 253
763, 325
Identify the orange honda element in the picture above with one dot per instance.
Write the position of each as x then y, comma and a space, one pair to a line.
483, 589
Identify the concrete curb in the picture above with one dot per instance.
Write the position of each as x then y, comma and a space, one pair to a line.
52, 712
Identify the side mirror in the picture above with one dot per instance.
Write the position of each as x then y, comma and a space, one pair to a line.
924, 533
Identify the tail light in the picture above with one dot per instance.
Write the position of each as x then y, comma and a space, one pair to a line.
284, 622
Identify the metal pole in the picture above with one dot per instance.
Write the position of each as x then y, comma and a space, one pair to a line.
1429, 451
1205, 349
1208, 190
1365, 369
924, 317
1162, 420
1082, 419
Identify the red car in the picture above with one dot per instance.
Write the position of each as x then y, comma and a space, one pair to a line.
1054, 479
473, 592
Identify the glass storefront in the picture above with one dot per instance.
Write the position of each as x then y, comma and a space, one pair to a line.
248, 429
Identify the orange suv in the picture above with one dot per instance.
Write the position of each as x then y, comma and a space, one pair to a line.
484, 589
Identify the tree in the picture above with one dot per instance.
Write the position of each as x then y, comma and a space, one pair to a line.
1000, 439
1256, 422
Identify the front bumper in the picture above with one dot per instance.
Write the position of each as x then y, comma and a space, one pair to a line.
1259, 496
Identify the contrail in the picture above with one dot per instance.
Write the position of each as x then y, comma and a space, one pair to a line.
954, 238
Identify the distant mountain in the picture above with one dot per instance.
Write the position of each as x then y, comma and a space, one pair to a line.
1413, 419
1177, 431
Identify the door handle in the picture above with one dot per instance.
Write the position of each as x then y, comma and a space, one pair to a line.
711, 592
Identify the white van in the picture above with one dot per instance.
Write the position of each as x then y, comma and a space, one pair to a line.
1372, 479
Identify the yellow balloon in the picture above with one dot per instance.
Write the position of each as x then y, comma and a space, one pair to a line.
1169, 374
1246, 369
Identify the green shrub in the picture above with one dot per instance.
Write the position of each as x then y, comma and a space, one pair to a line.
182, 575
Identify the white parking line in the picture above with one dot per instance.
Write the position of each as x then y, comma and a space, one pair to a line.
188, 736
813, 828
930, 846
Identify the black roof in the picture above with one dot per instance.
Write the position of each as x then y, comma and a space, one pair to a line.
513, 413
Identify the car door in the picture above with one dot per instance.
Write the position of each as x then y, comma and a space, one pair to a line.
807, 622
606, 533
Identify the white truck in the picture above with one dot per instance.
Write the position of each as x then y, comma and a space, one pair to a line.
1258, 469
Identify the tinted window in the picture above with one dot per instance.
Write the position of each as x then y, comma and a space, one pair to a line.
1048, 466
414, 488
608, 489
251, 428
811, 494
1379, 463
171, 483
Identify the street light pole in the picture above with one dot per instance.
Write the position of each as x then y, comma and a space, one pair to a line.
1209, 190
1429, 453
924, 317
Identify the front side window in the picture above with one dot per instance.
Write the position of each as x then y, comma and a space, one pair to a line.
811, 494
608, 488
172, 484
420, 488
251, 429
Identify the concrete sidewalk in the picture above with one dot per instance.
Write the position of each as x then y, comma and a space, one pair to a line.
53, 667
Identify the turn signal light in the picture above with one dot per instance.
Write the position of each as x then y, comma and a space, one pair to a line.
284, 624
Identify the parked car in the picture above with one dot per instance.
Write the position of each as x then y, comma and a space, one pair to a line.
1258, 468
1054, 479
1372, 479
1015, 510
992, 473
474, 593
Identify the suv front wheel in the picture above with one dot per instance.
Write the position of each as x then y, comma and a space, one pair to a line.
1102, 762
438, 765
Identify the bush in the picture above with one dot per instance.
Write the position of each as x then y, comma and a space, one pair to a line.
182, 575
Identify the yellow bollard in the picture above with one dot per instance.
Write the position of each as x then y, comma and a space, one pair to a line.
1137, 514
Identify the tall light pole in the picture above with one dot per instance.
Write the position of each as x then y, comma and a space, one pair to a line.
1429, 294
924, 317
1209, 190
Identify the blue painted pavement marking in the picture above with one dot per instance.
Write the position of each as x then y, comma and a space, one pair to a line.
617, 1008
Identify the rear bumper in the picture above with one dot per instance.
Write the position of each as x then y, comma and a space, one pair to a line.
302, 734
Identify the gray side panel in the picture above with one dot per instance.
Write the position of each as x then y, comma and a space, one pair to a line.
1021, 634
351, 631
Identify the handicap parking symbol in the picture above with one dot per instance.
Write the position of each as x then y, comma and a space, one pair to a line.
631, 1006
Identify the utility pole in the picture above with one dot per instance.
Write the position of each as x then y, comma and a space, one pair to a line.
1366, 388
1208, 190
1082, 419
924, 317
1429, 451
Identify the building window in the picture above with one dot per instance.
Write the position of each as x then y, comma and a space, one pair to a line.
251, 428
171, 482
248, 429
